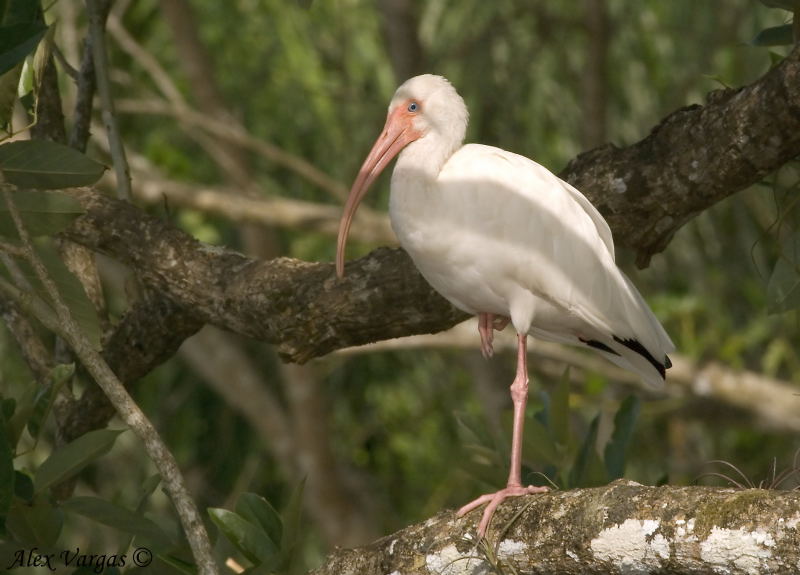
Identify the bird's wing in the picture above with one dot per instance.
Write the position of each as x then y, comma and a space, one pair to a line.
544, 235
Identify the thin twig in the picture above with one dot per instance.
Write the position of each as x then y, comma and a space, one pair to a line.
84, 99
98, 10
234, 132
11, 249
146, 60
62, 323
229, 128
65, 65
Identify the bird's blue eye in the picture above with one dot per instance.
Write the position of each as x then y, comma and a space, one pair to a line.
413, 107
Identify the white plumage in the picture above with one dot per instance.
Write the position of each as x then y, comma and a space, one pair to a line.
498, 235
496, 232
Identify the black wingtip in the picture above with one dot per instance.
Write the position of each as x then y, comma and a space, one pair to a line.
598, 345
635, 345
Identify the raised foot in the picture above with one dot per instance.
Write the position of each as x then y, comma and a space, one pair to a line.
494, 500
487, 324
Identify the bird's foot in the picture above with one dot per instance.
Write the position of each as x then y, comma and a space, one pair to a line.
494, 500
487, 324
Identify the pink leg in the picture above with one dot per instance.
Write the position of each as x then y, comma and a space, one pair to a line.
514, 487
487, 323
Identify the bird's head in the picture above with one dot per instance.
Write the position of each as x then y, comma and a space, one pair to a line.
425, 106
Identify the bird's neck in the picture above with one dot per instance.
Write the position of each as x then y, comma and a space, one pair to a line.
422, 160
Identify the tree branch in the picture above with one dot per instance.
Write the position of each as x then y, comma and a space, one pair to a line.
299, 306
150, 333
694, 158
623, 527
98, 12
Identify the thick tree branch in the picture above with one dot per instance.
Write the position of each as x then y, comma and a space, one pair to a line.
150, 333
694, 158
299, 306
620, 528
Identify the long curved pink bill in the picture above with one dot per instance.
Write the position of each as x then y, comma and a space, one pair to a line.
397, 134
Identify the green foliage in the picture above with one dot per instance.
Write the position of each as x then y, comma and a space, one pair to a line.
46, 165
73, 457
266, 538
43, 401
617, 447
147, 532
36, 524
70, 289
775, 36
790, 5
7, 474
783, 289
21, 31
17, 41
43, 213
29, 516
552, 447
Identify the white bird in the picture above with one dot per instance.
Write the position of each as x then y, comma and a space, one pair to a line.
502, 237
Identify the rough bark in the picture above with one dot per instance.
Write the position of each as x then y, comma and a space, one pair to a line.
620, 528
150, 333
694, 158
299, 306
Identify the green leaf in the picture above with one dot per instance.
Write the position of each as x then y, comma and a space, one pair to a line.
259, 512
120, 518
73, 457
783, 288
588, 470
23, 486
17, 41
538, 442
146, 491
43, 213
774, 36
246, 537
624, 422
559, 409
21, 11
70, 288
292, 516
45, 397
35, 525
7, 475
8, 95
7, 407
46, 164
789, 5
23, 411
178, 564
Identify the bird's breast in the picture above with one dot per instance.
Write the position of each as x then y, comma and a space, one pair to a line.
449, 257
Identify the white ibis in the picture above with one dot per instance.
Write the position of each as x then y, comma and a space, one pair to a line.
502, 237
